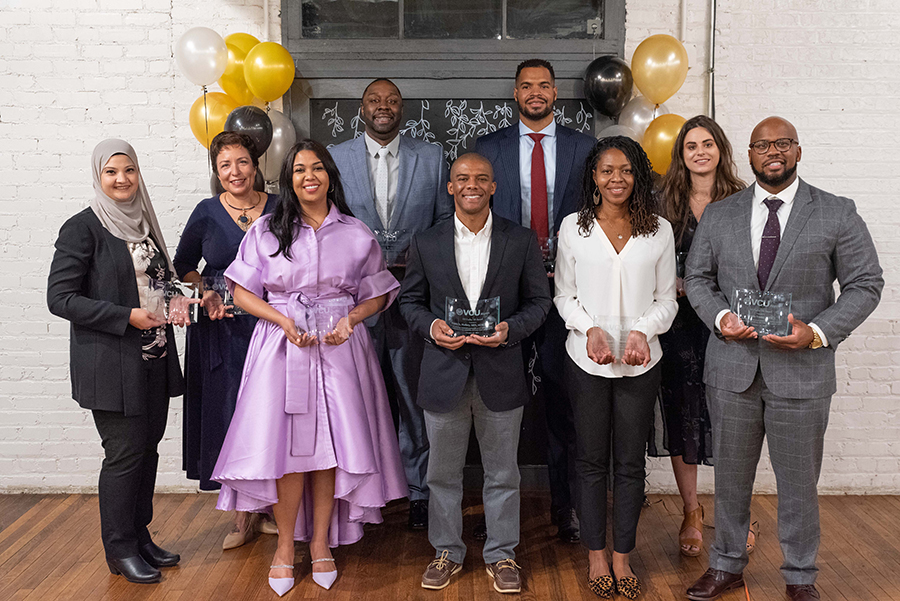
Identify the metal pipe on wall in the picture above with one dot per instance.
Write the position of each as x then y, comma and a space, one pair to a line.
711, 72
682, 29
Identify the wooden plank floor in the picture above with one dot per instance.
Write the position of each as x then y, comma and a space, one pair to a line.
50, 551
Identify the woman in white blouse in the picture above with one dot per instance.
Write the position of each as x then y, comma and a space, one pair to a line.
615, 288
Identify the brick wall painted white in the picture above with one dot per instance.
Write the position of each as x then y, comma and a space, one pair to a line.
75, 71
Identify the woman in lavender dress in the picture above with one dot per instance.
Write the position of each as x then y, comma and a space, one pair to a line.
312, 433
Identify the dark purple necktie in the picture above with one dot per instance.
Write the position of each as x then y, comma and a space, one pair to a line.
768, 246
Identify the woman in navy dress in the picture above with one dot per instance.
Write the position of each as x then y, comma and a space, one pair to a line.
217, 343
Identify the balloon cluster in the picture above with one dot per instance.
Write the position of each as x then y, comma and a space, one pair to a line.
252, 74
658, 69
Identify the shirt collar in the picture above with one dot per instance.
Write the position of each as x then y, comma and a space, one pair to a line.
786, 196
373, 146
333, 215
462, 231
549, 131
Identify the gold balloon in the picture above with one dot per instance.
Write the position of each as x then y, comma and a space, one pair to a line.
269, 71
659, 66
232, 81
659, 139
209, 121
244, 41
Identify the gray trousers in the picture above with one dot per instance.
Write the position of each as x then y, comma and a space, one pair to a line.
795, 429
498, 439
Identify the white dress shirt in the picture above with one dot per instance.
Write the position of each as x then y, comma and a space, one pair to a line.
592, 280
373, 147
526, 147
758, 216
473, 252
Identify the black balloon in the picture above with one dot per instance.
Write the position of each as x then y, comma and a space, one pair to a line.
607, 85
254, 122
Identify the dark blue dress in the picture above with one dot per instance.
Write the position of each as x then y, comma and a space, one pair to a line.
215, 350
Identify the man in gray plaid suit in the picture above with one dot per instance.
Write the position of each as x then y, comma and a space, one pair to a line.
777, 387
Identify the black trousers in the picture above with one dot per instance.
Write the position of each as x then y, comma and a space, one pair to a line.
614, 412
128, 474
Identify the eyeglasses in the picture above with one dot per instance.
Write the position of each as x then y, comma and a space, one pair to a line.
782, 144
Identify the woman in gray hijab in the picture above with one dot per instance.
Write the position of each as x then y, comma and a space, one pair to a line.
123, 360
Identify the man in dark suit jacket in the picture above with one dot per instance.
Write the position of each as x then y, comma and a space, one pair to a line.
539, 199
478, 378
769, 386
411, 198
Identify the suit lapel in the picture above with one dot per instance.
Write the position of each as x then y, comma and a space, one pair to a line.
510, 158
744, 246
359, 178
799, 215
408, 160
498, 246
447, 250
565, 156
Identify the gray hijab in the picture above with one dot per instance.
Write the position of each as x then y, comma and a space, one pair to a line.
131, 221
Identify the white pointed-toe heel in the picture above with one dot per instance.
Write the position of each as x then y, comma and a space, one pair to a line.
281, 585
325, 579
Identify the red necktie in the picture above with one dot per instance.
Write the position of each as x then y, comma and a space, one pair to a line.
539, 219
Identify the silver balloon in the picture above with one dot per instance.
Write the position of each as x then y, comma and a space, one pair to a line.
638, 114
283, 137
619, 130
202, 55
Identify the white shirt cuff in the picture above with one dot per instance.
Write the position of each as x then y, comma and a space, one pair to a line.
431, 329
719, 317
820, 333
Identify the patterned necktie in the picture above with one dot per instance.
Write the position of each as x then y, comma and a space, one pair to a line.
768, 246
381, 187
539, 220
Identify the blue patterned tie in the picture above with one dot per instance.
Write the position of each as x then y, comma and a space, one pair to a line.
768, 246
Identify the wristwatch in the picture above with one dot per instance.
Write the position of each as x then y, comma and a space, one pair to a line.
816, 341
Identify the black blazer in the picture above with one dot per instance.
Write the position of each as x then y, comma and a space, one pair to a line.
501, 148
92, 285
515, 273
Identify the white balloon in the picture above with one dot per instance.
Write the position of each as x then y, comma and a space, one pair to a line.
202, 55
638, 114
283, 137
619, 130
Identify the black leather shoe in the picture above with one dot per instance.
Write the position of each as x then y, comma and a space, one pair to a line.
159, 557
568, 528
134, 569
479, 530
713, 583
802, 592
418, 515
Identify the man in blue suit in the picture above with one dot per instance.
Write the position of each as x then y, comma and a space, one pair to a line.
396, 185
539, 165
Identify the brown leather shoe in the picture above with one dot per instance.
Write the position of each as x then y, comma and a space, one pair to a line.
506, 577
802, 592
437, 574
713, 583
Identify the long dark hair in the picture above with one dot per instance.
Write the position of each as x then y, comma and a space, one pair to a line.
641, 204
288, 212
675, 191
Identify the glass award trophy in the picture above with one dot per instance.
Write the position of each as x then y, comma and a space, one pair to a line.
393, 246
322, 316
464, 319
215, 293
765, 312
164, 296
616, 329
548, 253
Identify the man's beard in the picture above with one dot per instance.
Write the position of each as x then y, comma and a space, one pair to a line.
523, 110
774, 182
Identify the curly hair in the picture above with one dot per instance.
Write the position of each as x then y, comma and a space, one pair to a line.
641, 204
675, 191
288, 212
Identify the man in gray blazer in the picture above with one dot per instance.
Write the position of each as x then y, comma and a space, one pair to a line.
780, 235
397, 186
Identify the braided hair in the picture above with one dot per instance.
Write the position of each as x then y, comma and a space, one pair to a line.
641, 203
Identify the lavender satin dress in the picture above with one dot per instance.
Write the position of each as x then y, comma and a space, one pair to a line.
315, 408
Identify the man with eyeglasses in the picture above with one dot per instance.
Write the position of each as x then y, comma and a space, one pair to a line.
780, 235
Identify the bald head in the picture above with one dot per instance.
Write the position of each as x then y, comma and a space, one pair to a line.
774, 153
472, 159
472, 185
777, 123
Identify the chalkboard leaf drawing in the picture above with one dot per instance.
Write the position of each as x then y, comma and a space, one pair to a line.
505, 112
584, 119
334, 120
421, 128
357, 124
456, 112
480, 117
560, 116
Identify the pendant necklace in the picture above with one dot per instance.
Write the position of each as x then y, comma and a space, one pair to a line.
244, 221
